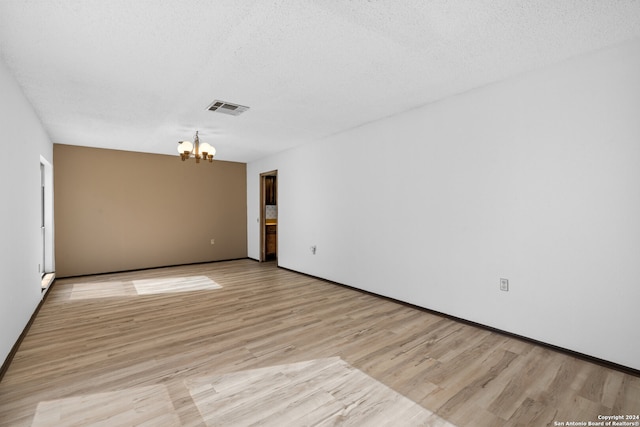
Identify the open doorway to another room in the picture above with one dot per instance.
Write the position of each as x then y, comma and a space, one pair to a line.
46, 262
269, 216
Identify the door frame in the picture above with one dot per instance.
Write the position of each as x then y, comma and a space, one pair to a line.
46, 197
263, 213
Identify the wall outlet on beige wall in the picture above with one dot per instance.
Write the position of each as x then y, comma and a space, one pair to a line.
213, 241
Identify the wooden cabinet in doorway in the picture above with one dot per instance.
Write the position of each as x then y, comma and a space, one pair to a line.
271, 237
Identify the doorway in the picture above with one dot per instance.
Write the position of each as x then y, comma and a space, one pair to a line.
269, 216
43, 252
46, 263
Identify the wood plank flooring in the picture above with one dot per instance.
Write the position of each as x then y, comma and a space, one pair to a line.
244, 343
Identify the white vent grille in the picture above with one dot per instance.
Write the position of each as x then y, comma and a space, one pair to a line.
227, 108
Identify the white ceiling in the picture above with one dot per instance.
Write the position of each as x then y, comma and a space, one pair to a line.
138, 74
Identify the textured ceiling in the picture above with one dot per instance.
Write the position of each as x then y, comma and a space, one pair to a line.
138, 75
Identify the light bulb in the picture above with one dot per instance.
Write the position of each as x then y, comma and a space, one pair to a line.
205, 148
184, 146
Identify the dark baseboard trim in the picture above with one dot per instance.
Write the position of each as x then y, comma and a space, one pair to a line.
133, 270
16, 346
582, 356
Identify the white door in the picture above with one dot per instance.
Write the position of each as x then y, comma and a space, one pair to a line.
42, 221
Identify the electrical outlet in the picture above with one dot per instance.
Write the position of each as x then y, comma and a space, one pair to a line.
213, 241
504, 285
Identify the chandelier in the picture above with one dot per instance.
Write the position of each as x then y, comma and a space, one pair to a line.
200, 151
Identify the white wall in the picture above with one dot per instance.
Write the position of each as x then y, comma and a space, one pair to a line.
24, 142
535, 179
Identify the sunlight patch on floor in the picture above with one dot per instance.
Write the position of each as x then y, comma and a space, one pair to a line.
82, 291
174, 284
317, 392
135, 406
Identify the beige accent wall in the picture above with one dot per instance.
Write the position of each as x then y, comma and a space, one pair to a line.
119, 210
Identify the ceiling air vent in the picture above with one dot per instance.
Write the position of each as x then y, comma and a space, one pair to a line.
227, 108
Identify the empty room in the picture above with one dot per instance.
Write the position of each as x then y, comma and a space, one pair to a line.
314, 213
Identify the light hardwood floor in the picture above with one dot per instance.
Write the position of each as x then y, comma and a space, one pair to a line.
242, 343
